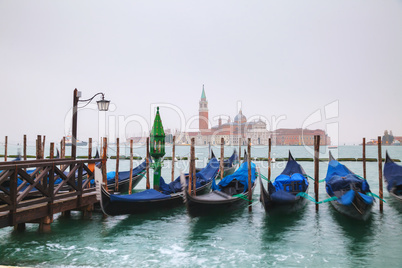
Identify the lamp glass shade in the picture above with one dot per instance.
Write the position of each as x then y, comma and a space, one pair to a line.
103, 105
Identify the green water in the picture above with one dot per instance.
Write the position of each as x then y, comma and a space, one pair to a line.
241, 239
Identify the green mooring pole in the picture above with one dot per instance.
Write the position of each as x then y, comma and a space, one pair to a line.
157, 144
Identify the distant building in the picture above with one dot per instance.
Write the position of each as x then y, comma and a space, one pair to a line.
299, 136
240, 130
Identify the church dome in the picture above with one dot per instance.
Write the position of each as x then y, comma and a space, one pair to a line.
240, 118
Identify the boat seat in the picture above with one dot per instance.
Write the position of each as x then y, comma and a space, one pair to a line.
233, 188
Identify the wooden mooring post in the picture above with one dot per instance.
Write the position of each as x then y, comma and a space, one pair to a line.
43, 148
25, 147
173, 156
190, 169
364, 159
104, 159
269, 161
51, 152
39, 147
130, 184
240, 151
148, 185
380, 174
316, 168
89, 148
192, 166
250, 194
5, 148
221, 166
116, 178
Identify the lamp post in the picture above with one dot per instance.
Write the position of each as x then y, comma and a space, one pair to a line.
103, 105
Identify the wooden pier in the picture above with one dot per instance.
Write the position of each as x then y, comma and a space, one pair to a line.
49, 187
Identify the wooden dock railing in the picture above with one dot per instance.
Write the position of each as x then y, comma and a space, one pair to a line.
32, 191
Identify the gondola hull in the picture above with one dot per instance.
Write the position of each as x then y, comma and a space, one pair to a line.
139, 207
393, 178
394, 193
271, 206
214, 203
357, 210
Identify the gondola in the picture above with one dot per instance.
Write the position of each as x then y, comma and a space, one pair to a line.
229, 165
171, 195
231, 193
282, 194
393, 178
351, 192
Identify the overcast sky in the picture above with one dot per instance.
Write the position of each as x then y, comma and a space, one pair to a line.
279, 60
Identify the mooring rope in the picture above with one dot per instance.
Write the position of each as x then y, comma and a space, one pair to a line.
265, 178
242, 197
307, 176
374, 195
312, 199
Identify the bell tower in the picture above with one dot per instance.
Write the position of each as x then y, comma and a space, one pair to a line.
203, 112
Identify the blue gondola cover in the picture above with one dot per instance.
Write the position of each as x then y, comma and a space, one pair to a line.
392, 174
240, 175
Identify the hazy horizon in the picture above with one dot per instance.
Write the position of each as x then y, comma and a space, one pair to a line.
334, 65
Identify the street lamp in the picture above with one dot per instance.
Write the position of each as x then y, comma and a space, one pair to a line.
103, 105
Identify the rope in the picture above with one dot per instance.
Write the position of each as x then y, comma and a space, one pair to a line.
265, 178
312, 199
359, 177
374, 195
307, 176
242, 197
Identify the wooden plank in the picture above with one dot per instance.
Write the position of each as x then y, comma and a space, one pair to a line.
44, 162
79, 185
34, 183
4, 175
6, 198
67, 179
13, 197
33, 213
